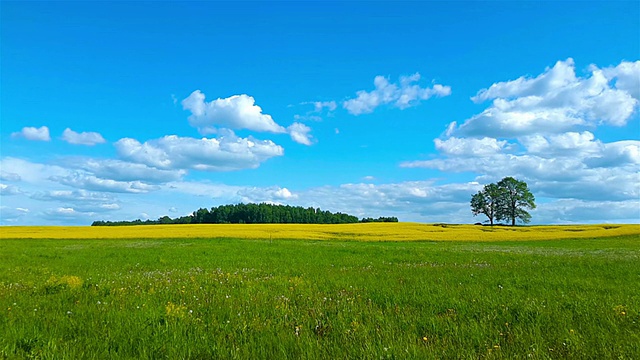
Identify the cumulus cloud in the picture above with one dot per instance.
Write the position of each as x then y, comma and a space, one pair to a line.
300, 133
470, 147
555, 101
274, 194
402, 95
83, 138
569, 173
235, 112
225, 153
528, 132
569, 143
626, 77
616, 154
32, 133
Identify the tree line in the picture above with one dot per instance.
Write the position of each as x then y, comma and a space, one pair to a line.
507, 200
253, 214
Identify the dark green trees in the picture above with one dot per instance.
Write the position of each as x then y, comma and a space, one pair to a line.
254, 214
507, 200
487, 202
516, 198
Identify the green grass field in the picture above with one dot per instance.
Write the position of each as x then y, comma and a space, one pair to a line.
302, 299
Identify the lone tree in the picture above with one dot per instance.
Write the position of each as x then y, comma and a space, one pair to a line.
506, 200
516, 199
487, 202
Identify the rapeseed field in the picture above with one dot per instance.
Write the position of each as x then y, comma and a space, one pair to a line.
358, 232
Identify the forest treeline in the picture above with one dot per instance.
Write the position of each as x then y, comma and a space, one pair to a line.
254, 214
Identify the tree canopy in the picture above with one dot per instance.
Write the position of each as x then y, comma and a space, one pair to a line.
254, 214
508, 200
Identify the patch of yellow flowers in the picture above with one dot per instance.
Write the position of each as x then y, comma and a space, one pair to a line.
357, 232
70, 281
175, 310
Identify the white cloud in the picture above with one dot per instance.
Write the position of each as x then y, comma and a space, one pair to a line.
553, 79
329, 105
585, 171
80, 200
67, 215
127, 171
272, 194
553, 102
318, 108
73, 196
9, 189
470, 147
225, 153
32, 133
626, 76
300, 133
235, 112
8, 176
91, 182
403, 95
410, 200
29, 172
11, 215
569, 143
205, 189
615, 154
83, 138
527, 132
581, 211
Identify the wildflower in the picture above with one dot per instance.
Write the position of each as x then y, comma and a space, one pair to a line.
175, 310
71, 281
620, 310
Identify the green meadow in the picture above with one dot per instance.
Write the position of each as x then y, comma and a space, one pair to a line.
302, 299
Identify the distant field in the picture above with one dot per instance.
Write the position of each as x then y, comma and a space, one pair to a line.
178, 292
362, 232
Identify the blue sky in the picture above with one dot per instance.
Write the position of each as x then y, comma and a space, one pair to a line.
125, 110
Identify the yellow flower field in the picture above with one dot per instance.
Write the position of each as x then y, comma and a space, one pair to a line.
359, 232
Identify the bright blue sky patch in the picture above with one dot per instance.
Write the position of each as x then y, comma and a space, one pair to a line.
125, 110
